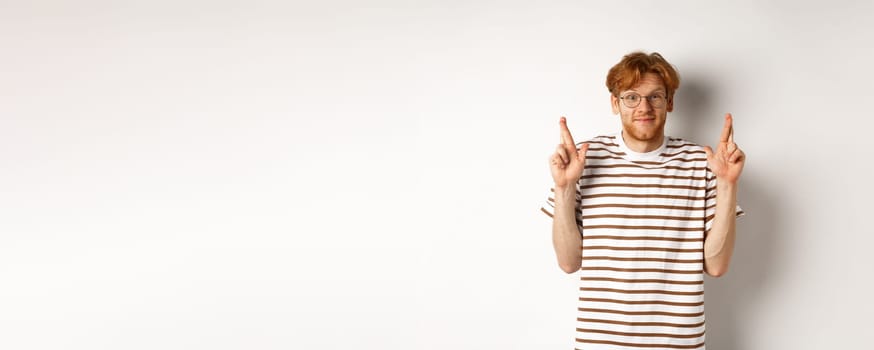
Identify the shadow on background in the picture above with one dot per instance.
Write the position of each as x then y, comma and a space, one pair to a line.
691, 118
755, 253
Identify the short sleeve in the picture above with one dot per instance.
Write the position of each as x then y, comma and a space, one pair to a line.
548, 207
710, 202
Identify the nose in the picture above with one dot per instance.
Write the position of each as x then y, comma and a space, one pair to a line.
644, 104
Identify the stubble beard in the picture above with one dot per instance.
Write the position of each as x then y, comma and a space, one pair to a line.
640, 133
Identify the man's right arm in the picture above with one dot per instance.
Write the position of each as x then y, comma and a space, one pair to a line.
566, 166
566, 238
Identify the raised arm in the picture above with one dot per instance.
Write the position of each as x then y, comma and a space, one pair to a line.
727, 164
566, 166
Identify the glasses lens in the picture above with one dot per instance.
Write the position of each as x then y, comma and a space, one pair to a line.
657, 100
631, 100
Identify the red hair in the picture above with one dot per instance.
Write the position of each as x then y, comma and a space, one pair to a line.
627, 73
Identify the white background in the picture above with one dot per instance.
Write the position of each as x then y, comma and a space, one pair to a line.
274, 175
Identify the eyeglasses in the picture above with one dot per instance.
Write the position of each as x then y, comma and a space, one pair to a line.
632, 100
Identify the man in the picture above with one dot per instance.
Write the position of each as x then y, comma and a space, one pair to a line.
643, 216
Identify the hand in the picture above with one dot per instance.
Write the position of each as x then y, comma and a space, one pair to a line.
567, 163
728, 161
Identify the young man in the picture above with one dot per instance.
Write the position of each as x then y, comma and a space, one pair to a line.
643, 216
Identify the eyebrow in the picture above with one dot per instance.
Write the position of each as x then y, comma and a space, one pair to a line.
662, 90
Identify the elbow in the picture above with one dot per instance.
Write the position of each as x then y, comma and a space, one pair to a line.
570, 267
717, 266
717, 271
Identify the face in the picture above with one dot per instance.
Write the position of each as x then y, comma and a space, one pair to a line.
643, 125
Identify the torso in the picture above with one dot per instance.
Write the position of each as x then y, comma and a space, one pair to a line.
643, 224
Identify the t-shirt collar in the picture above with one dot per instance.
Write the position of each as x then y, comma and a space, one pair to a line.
632, 155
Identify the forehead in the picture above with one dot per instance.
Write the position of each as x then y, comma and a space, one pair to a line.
648, 82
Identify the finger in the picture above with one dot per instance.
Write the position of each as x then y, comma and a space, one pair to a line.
736, 156
566, 137
731, 155
726, 129
554, 162
562, 154
708, 151
581, 154
731, 129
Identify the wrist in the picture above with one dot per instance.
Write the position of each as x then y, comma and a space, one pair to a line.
565, 194
727, 190
726, 185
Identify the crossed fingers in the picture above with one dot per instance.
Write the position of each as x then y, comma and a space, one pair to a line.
566, 147
732, 152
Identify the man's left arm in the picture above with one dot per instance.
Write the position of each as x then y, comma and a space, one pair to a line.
727, 164
719, 241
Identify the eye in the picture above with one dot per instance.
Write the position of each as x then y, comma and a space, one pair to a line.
656, 100
658, 96
632, 97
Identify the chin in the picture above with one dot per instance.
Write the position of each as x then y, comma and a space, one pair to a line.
647, 136
643, 135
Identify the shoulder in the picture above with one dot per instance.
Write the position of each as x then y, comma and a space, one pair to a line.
688, 153
601, 140
676, 144
603, 149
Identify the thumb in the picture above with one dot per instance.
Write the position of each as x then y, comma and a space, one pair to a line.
581, 154
708, 151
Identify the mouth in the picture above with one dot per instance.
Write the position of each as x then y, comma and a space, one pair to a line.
644, 120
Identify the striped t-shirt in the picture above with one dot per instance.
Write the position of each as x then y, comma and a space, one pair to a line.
643, 218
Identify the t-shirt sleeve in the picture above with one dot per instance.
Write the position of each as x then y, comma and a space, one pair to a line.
710, 202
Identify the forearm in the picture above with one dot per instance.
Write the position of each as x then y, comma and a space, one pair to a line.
566, 238
719, 244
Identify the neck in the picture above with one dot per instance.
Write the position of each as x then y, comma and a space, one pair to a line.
643, 146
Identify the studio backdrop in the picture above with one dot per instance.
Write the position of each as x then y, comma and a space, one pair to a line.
368, 175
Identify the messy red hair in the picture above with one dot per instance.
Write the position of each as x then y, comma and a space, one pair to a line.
627, 73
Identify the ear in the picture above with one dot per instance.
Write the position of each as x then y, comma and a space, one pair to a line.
670, 106
614, 103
